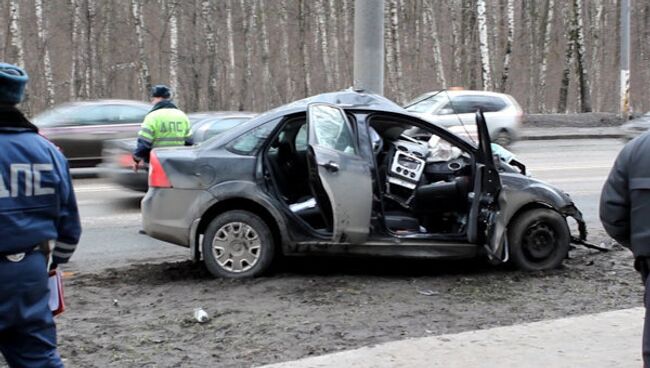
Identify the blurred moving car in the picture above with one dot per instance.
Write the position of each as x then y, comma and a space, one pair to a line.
80, 128
457, 108
339, 173
117, 153
636, 127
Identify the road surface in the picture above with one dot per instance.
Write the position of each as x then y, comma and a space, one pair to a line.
111, 216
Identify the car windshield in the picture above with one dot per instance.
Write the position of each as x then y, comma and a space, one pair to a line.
429, 104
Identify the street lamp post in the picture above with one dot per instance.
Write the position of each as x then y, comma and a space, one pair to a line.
369, 45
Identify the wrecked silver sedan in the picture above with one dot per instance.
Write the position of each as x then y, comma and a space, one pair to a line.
355, 174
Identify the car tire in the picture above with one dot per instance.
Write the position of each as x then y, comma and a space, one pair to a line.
503, 138
538, 240
238, 244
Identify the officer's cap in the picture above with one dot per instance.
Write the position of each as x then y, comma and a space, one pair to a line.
161, 90
12, 83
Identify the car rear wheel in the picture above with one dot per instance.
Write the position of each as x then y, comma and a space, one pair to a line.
539, 240
237, 244
503, 138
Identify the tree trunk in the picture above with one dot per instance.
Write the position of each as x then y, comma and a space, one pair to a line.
43, 36
306, 60
17, 43
548, 25
456, 40
333, 22
583, 75
393, 51
90, 84
77, 34
289, 82
143, 65
510, 9
232, 68
173, 52
568, 61
211, 48
248, 21
268, 82
324, 43
484, 48
430, 18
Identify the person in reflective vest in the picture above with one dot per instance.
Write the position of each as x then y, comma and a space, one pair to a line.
37, 208
164, 126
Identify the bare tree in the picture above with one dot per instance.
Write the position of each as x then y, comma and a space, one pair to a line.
232, 69
143, 64
579, 40
430, 19
393, 51
306, 58
90, 83
41, 26
481, 19
289, 82
77, 35
510, 10
248, 22
173, 51
548, 25
270, 89
321, 35
211, 46
568, 60
596, 47
334, 23
16, 34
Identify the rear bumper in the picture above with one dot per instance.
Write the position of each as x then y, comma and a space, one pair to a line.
170, 214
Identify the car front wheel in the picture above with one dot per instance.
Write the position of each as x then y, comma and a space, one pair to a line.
503, 138
237, 244
539, 240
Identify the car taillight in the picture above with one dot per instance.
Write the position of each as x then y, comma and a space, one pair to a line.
157, 176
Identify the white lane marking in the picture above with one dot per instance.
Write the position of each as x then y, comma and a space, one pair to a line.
557, 168
90, 189
564, 179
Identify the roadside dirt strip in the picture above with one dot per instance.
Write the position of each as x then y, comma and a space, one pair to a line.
142, 315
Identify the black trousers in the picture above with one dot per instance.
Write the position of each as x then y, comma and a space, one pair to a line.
646, 324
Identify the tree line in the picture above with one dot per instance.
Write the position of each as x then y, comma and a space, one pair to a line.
551, 55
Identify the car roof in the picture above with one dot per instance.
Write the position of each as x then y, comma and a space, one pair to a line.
463, 92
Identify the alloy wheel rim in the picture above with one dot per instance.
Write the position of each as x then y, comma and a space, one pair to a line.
236, 247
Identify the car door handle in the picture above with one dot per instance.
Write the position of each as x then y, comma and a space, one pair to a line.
330, 166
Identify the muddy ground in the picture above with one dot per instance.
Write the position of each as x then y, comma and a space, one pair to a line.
142, 316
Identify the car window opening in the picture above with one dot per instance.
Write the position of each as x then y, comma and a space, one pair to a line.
424, 179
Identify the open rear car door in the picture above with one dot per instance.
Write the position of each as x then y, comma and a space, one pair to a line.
485, 225
339, 177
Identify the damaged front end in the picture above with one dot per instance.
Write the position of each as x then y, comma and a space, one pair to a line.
573, 212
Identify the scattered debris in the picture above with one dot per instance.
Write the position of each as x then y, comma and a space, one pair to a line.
428, 292
200, 315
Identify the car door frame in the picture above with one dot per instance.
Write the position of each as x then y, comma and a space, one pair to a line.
346, 179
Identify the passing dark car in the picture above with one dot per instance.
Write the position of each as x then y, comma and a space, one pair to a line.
343, 173
117, 154
79, 129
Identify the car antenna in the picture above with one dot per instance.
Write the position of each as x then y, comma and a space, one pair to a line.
458, 117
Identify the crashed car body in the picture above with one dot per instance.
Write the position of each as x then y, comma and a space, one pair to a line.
338, 173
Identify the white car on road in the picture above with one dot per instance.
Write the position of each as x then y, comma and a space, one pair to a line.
455, 109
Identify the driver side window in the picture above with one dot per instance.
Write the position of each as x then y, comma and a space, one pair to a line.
331, 129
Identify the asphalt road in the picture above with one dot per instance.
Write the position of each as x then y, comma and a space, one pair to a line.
111, 217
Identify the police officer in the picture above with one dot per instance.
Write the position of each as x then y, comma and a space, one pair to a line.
37, 206
164, 126
625, 213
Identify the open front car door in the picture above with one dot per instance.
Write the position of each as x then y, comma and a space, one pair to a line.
486, 225
339, 177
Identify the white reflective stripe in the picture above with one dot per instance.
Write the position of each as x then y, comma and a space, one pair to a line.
65, 246
61, 255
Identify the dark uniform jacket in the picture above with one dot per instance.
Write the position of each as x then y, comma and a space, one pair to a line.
37, 201
625, 200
